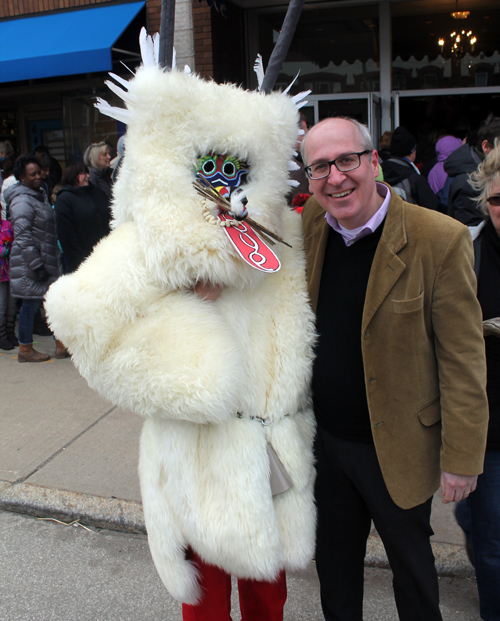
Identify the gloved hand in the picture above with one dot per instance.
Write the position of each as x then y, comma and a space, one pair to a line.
41, 274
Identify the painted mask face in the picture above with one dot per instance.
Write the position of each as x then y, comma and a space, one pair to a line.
224, 172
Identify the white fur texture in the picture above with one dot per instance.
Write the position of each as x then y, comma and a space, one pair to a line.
202, 373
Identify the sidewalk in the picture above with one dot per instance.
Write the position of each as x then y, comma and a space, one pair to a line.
67, 453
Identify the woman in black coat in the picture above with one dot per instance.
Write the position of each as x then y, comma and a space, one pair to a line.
82, 215
97, 157
480, 516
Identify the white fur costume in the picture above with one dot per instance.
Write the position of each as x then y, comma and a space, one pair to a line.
145, 341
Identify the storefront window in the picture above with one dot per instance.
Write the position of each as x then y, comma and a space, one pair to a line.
432, 49
336, 50
84, 124
8, 128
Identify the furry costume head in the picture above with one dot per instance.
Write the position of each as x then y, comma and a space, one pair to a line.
175, 118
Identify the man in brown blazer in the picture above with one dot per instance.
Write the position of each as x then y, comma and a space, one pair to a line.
399, 376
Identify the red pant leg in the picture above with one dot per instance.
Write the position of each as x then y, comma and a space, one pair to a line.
215, 604
262, 601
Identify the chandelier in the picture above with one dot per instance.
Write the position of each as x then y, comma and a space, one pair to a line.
459, 44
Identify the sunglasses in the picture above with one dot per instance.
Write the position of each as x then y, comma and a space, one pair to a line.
494, 201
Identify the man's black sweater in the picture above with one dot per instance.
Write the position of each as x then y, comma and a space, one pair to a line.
338, 384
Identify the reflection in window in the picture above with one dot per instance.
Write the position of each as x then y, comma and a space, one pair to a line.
434, 50
336, 50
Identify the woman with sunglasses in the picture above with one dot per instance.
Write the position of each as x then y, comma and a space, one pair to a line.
479, 515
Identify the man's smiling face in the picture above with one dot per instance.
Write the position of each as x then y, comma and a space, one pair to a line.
351, 197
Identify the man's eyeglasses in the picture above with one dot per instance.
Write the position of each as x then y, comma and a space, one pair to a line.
344, 163
494, 201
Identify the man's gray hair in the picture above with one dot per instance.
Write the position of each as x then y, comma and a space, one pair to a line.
366, 139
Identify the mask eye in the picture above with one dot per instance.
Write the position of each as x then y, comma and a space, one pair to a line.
229, 169
208, 167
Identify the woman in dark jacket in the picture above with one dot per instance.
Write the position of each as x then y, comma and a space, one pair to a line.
82, 215
97, 157
34, 262
480, 518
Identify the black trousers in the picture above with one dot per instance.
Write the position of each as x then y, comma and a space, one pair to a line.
350, 492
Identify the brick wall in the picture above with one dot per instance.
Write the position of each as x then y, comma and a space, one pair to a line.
202, 32
14, 8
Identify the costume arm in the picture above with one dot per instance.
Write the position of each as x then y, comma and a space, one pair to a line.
158, 352
459, 344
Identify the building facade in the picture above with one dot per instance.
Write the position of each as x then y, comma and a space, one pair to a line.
431, 65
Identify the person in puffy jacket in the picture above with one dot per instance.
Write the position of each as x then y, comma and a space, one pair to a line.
438, 179
82, 215
34, 262
462, 204
401, 173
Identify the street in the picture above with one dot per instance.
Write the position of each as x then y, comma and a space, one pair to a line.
53, 572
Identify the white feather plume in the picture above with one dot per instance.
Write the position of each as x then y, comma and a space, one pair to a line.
291, 84
120, 114
149, 48
300, 96
119, 79
258, 67
293, 165
187, 69
293, 183
118, 91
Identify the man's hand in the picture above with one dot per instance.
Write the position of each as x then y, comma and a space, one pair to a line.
456, 487
207, 291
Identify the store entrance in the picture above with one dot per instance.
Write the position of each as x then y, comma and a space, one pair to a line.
455, 114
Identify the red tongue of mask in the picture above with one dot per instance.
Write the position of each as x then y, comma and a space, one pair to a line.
250, 247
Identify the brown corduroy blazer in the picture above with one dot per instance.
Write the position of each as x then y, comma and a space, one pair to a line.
422, 344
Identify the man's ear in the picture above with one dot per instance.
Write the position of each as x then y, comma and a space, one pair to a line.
375, 162
486, 147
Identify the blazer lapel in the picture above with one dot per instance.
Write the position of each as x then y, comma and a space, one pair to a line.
387, 267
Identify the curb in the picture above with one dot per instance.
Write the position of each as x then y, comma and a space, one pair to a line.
127, 516
109, 513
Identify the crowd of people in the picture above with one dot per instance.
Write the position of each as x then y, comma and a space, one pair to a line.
50, 222
357, 252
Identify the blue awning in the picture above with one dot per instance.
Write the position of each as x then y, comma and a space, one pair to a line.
66, 43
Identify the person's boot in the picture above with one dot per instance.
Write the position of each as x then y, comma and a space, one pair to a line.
11, 336
28, 354
10, 330
4, 341
61, 351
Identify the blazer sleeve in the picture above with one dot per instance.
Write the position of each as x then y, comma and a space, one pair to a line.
460, 353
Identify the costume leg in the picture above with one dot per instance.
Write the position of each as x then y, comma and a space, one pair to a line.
262, 600
484, 504
342, 531
216, 586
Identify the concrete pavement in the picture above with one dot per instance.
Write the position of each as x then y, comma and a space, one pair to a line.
67, 453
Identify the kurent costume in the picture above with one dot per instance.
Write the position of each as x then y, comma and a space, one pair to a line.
216, 381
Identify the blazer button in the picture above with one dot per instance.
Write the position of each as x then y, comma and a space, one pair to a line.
367, 334
371, 380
